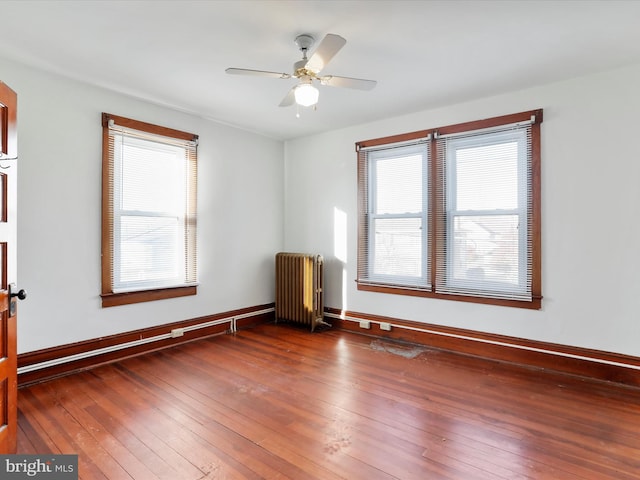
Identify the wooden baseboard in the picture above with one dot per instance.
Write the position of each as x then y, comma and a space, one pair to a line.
40, 365
612, 367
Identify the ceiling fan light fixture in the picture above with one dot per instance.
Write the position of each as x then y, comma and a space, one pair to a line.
306, 94
308, 69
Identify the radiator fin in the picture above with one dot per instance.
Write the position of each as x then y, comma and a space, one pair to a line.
299, 288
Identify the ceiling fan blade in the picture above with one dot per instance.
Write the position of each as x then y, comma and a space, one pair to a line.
258, 73
346, 82
330, 45
289, 99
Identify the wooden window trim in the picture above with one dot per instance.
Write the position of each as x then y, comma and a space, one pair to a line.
435, 228
108, 297
126, 298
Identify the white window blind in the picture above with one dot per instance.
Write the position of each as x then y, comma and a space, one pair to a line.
487, 198
152, 181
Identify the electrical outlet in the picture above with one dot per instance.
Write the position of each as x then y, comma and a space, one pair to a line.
365, 324
385, 326
177, 332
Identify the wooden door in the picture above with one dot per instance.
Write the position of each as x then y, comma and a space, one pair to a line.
8, 294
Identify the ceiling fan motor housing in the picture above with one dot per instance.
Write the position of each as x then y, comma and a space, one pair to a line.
300, 70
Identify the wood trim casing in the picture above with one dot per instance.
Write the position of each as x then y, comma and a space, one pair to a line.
62, 362
110, 298
8, 122
148, 127
534, 304
106, 218
590, 363
126, 298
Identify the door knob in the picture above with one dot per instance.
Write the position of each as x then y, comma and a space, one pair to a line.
14, 292
21, 294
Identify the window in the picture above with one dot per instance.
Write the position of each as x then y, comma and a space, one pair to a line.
397, 252
148, 212
453, 212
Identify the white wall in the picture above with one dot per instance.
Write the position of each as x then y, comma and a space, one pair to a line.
240, 197
591, 203
590, 227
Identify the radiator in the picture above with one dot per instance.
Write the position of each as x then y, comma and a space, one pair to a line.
299, 284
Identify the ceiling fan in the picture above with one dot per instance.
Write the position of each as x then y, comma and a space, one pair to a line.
307, 71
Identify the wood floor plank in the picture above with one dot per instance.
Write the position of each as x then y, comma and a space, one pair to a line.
33, 403
213, 440
145, 410
277, 402
269, 420
130, 424
225, 441
76, 402
396, 441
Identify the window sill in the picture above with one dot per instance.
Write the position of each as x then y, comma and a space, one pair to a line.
116, 299
534, 304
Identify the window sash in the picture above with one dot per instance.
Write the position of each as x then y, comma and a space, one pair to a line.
482, 278
138, 251
399, 271
406, 261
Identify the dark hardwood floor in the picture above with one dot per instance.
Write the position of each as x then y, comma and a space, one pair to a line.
277, 402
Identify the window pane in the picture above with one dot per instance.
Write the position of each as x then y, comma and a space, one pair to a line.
153, 176
151, 249
485, 249
487, 177
398, 247
399, 185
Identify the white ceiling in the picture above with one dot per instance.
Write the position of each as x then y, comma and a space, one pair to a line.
422, 53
